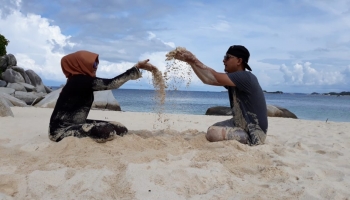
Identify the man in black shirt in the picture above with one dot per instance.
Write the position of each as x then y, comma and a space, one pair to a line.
249, 122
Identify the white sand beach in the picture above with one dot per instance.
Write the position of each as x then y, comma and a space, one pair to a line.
171, 159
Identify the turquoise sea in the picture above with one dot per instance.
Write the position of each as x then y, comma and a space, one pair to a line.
304, 106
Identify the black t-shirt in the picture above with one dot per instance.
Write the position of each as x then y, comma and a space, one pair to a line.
247, 102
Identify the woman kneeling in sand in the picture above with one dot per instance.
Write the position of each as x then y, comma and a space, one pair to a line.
69, 118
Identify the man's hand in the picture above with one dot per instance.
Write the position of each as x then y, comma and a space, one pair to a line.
145, 65
182, 54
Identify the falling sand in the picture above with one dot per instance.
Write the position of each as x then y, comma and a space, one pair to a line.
177, 72
159, 85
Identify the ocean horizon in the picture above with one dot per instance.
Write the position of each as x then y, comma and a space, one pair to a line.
304, 106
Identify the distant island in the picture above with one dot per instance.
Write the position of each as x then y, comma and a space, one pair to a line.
332, 93
277, 92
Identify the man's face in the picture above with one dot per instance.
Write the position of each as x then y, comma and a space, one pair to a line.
232, 63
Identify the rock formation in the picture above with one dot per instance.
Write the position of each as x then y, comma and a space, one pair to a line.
272, 111
19, 87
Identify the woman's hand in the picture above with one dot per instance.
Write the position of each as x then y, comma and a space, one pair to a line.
145, 65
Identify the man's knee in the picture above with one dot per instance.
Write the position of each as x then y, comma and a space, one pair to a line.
214, 135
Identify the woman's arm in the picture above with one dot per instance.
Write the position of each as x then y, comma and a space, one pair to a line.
131, 74
114, 83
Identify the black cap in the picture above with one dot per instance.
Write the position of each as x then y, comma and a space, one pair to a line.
240, 52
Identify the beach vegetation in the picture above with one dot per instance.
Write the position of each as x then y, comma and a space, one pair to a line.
3, 43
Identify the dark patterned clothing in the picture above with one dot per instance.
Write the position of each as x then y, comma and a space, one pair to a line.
249, 122
69, 118
248, 106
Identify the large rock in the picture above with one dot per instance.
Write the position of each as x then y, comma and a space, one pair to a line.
47, 89
8, 102
276, 111
36, 81
13, 101
105, 100
50, 99
219, 110
28, 87
3, 83
102, 100
5, 109
23, 73
10, 91
272, 111
28, 97
17, 87
11, 76
11, 60
3, 63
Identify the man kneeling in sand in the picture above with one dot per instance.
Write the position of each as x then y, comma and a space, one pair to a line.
247, 100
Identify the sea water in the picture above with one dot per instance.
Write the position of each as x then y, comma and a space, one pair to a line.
304, 106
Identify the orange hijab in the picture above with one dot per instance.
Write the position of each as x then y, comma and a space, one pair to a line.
80, 62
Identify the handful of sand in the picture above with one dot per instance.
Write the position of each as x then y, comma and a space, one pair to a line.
177, 72
171, 54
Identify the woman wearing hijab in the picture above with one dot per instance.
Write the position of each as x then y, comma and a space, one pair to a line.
69, 117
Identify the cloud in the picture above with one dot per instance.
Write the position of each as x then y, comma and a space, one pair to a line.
36, 44
339, 7
304, 74
39, 45
284, 38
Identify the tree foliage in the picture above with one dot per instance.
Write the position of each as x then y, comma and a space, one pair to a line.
3, 43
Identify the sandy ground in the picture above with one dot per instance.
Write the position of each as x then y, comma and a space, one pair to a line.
167, 157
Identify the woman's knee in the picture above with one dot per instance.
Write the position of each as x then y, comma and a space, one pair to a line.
119, 128
102, 133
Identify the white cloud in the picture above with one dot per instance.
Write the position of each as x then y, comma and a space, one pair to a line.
304, 74
338, 7
36, 44
310, 31
222, 26
152, 36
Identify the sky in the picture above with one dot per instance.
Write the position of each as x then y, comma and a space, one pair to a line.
296, 46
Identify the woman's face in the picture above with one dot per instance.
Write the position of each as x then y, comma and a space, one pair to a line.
95, 65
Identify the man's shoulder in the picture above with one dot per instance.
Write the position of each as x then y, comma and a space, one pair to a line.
248, 73
241, 75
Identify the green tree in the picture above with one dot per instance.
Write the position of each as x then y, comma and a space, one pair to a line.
3, 43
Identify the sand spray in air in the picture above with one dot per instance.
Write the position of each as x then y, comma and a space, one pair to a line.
159, 98
177, 74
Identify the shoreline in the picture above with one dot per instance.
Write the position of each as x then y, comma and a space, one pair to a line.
171, 159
